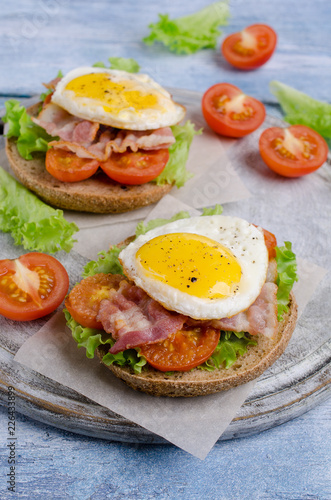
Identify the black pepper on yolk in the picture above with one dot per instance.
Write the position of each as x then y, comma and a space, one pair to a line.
191, 263
113, 96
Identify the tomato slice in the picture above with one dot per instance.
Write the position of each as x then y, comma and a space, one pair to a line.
270, 242
31, 286
68, 167
182, 350
250, 48
136, 167
84, 299
294, 151
231, 113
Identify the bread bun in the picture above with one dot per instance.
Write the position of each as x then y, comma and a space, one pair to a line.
98, 194
198, 382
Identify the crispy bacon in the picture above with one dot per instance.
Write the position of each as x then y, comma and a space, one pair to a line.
118, 142
259, 318
85, 138
133, 318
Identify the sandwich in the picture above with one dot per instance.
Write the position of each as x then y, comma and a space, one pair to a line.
191, 307
103, 140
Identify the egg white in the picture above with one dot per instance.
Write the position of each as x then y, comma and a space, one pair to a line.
136, 115
244, 240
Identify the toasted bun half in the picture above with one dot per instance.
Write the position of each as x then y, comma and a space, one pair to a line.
200, 382
98, 194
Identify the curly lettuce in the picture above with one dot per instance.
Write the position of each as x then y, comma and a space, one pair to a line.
32, 223
91, 339
143, 228
287, 275
175, 171
230, 346
188, 34
30, 137
121, 63
301, 109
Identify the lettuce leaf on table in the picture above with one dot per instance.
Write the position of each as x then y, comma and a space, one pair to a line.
32, 223
188, 34
301, 109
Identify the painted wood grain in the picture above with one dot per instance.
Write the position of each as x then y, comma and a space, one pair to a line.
39, 38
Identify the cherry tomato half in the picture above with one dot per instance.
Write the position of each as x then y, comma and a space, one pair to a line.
251, 47
135, 167
294, 151
84, 299
68, 167
231, 113
182, 350
31, 286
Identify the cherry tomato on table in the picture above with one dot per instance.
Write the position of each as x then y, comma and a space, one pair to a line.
31, 286
136, 167
294, 151
182, 350
228, 111
84, 299
68, 167
251, 47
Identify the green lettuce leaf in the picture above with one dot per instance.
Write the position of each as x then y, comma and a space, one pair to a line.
300, 109
30, 137
107, 263
122, 63
217, 210
230, 346
175, 171
143, 228
32, 223
287, 275
188, 34
90, 339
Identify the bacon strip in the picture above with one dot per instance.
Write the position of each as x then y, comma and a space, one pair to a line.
81, 136
259, 318
133, 318
119, 142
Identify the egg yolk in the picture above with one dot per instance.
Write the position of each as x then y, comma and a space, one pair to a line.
191, 263
113, 96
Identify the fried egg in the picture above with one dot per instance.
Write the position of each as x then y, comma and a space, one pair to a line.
112, 97
208, 267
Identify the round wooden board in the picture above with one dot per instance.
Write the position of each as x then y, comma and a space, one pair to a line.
297, 382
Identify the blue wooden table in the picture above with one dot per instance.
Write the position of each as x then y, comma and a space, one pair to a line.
287, 462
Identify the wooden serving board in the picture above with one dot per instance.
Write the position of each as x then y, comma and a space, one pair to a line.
297, 382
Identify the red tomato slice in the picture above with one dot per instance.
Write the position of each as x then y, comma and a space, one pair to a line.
135, 168
84, 299
183, 350
251, 47
270, 242
231, 113
68, 167
31, 286
294, 151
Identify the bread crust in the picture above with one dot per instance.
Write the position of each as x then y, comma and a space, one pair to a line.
98, 194
200, 382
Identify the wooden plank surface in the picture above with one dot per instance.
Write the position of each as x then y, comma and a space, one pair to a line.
291, 461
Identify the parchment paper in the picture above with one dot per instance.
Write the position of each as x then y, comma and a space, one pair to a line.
297, 210
193, 424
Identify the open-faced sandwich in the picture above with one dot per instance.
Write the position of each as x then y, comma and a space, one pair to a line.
192, 307
103, 140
